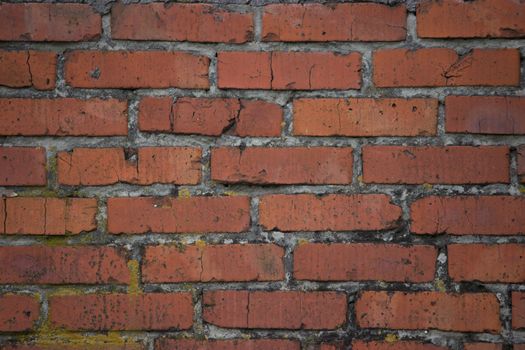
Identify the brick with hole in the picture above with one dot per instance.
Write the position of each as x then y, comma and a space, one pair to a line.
227, 344
518, 310
468, 215
500, 115
48, 216
18, 312
435, 67
137, 215
136, 69
144, 166
333, 22
23, 166
397, 345
48, 22
181, 22
288, 70
365, 117
213, 263
63, 265
496, 263
28, 69
364, 262
465, 19
468, 312
121, 312
63, 117
278, 309
436, 165
331, 212
282, 165
210, 116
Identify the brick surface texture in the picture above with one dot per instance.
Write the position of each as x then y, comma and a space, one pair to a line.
262, 175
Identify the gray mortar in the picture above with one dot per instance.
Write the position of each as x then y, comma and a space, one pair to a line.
402, 195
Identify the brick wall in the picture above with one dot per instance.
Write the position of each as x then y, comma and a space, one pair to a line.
262, 175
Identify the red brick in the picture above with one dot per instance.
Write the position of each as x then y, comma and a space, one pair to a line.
485, 114
63, 265
331, 212
48, 22
521, 163
469, 215
365, 262
518, 310
398, 345
180, 22
230, 344
436, 165
22, 166
212, 117
106, 166
290, 165
279, 309
519, 346
487, 263
136, 69
213, 263
469, 312
444, 67
333, 22
483, 346
178, 215
63, 117
289, 70
465, 19
20, 69
18, 313
365, 117
98, 312
49, 216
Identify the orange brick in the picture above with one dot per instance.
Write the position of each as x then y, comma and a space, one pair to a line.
18, 313
434, 67
20, 69
22, 166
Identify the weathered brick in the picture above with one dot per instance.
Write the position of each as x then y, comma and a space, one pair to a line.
483, 346
465, 19
398, 345
436, 165
63, 117
180, 22
20, 69
518, 310
487, 263
469, 215
444, 67
18, 312
289, 70
485, 114
290, 165
228, 344
87, 344
48, 22
331, 212
49, 216
106, 166
469, 312
63, 265
213, 263
365, 117
364, 261
333, 22
178, 215
521, 163
22, 166
279, 309
98, 312
136, 69
212, 117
